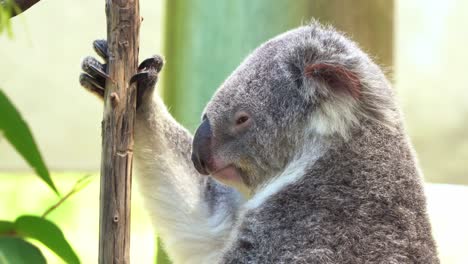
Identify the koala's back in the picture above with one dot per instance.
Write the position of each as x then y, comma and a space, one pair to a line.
362, 202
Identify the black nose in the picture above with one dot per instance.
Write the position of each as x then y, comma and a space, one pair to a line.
201, 147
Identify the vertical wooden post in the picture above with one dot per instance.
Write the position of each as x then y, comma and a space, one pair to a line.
123, 24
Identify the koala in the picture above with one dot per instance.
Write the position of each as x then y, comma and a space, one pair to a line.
301, 157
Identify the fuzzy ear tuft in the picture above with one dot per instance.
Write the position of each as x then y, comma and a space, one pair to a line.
337, 77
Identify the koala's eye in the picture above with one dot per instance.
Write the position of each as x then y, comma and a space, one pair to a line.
242, 119
204, 117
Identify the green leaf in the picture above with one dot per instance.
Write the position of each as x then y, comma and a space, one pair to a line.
161, 255
48, 234
6, 227
14, 250
17, 132
5, 14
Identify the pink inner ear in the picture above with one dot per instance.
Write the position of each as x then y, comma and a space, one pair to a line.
336, 76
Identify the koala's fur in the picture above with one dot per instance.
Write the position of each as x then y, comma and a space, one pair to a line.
369, 207
328, 173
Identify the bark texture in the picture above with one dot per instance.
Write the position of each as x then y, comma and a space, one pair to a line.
123, 24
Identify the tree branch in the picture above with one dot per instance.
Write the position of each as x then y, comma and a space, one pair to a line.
123, 24
80, 184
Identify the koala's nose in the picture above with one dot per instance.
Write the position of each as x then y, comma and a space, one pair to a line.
201, 147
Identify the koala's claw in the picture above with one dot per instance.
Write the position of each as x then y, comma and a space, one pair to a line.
94, 77
146, 77
94, 86
94, 68
95, 73
154, 63
101, 48
148, 70
140, 77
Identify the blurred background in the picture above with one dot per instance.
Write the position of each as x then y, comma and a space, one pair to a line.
422, 45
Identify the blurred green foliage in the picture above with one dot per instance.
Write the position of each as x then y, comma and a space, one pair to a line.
17, 251
77, 217
34, 227
7, 8
13, 245
16, 131
205, 40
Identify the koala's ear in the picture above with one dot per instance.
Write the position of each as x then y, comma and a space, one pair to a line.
336, 77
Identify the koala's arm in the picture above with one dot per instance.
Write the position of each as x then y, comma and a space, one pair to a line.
191, 212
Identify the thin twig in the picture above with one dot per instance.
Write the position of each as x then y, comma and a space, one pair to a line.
80, 184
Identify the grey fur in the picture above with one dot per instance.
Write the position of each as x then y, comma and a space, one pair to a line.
271, 85
362, 202
331, 177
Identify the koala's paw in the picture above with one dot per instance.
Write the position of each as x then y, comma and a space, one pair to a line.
146, 78
95, 73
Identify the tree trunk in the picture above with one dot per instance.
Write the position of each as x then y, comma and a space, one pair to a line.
123, 24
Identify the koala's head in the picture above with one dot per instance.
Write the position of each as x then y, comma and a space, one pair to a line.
306, 83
